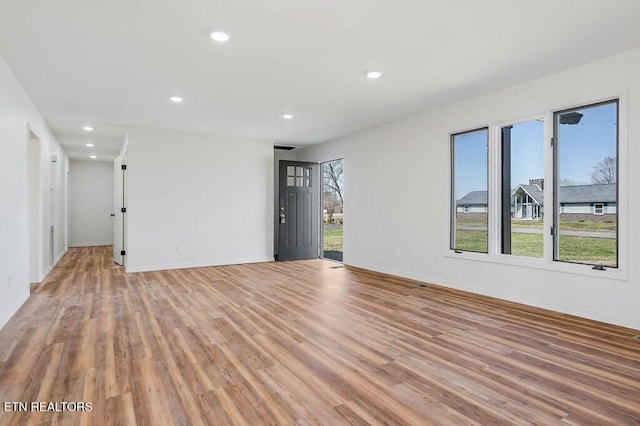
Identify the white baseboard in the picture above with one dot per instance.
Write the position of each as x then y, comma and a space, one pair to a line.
91, 244
164, 267
60, 256
541, 302
49, 268
10, 312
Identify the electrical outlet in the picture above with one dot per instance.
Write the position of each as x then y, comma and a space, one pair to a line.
413, 254
397, 252
179, 248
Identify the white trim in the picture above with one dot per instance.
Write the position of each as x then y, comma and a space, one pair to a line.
619, 274
185, 265
59, 258
48, 269
91, 244
10, 311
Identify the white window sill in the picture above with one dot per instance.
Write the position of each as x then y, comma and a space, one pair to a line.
539, 263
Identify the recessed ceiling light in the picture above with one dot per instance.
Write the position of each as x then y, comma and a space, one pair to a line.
374, 75
90, 145
220, 36
287, 116
87, 129
93, 156
176, 99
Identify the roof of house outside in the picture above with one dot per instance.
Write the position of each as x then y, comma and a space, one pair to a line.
605, 193
474, 198
573, 194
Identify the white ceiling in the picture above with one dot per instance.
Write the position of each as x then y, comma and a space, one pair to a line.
115, 63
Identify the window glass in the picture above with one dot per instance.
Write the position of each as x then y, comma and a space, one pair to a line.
522, 189
586, 179
469, 224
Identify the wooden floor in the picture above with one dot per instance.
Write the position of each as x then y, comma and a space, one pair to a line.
304, 342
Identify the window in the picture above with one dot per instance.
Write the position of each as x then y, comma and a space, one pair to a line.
469, 176
586, 175
522, 186
553, 199
298, 176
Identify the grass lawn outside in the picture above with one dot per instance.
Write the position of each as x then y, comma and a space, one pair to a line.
530, 245
469, 240
565, 225
333, 239
596, 251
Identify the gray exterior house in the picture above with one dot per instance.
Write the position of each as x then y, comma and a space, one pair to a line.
577, 202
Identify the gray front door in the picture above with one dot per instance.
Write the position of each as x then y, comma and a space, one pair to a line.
298, 211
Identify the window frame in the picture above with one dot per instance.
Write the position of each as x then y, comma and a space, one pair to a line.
546, 262
453, 206
555, 229
500, 173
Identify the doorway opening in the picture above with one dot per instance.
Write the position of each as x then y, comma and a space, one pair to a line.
35, 207
119, 210
333, 209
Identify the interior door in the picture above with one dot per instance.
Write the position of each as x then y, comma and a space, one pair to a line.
118, 216
298, 211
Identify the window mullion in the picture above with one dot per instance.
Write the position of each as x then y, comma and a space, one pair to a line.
494, 213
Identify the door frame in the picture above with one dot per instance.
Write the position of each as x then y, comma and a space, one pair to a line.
34, 203
117, 211
321, 227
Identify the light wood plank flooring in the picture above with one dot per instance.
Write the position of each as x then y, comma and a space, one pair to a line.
303, 343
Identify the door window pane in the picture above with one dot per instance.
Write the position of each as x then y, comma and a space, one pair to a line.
469, 225
586, 180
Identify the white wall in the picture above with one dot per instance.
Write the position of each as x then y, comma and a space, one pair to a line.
90, 203
212, 195
414, 155
17, 116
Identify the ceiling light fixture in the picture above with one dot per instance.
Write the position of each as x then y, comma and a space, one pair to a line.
373, 75
90, 145
87, 129
220, 36
93, 157
287, 116
176, 99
